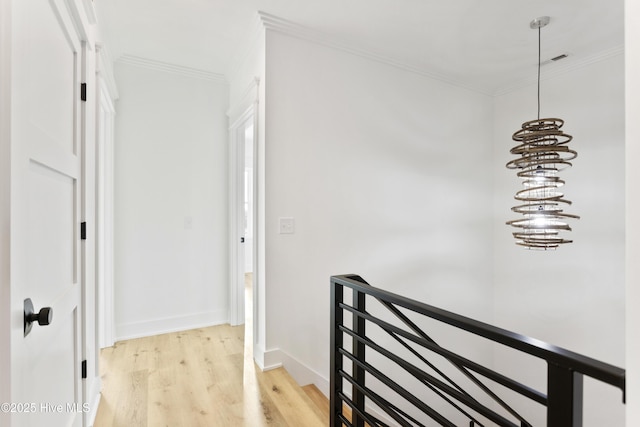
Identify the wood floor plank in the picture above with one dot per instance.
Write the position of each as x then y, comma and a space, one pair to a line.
319, 399
133, 403
289, 398
204, 377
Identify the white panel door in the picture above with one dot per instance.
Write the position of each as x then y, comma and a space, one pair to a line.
45, 233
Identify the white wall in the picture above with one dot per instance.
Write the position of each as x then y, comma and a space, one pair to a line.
632, 90
171, 268
572, 297
387, 174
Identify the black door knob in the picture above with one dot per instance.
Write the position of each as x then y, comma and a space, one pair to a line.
43, 317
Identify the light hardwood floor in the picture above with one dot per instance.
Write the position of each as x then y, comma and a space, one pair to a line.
203, 377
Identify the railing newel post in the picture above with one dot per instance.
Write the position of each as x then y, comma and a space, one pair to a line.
336, 342
359, 354
564, 394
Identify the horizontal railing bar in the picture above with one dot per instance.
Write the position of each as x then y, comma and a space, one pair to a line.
367, 417
372, 394
344, 420
486, 372
466, 365
379, 423
382, 403
465, 371
469, 402
410, 397
344, 400
424, 360
602, 371
410, 369
422, 334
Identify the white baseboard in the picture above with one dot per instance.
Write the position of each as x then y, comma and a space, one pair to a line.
303, 374
266, 360
170, 324
300, 372
258, 355
272, 359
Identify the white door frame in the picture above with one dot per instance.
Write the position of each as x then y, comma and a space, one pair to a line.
5, 205
246, 112
106, 94
632, 200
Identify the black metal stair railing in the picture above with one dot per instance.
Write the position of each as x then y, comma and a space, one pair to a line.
371, 384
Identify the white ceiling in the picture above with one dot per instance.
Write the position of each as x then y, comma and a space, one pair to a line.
483, 44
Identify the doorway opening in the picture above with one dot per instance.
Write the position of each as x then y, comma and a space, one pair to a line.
243, 220
248, 215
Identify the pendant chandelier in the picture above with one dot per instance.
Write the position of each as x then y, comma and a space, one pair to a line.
543, 151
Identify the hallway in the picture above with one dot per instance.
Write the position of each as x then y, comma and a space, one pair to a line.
202, 377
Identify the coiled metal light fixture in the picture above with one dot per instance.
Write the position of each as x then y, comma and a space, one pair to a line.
544, 151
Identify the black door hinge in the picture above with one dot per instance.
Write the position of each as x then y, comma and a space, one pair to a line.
84, 369
83, 231
83, 92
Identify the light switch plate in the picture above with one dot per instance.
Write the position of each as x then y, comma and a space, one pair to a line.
287, 226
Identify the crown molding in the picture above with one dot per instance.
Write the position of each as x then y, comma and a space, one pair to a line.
277, 24
171, 68
247, 47
90, 11
561, 69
